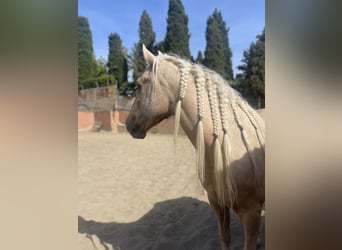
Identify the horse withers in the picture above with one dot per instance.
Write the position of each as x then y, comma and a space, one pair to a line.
228, 134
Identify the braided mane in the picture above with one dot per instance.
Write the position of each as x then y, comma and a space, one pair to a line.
221, 98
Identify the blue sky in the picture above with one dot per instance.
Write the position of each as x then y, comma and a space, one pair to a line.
245, 19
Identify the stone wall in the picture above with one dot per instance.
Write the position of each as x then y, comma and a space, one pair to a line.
115, 121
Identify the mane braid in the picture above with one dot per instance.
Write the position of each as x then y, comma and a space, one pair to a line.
244, 138
184, 68
218, 164
226, 147
200, 147
255, 124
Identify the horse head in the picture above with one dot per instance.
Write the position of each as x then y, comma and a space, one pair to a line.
155, 98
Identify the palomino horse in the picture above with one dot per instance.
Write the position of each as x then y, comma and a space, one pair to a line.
227, 133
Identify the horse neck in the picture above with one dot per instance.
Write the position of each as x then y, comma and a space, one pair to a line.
189, 115
189, 118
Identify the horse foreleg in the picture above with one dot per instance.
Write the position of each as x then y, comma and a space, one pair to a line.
261, 238
223, 218
251, 221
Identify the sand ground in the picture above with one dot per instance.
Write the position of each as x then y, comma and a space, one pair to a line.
143, 194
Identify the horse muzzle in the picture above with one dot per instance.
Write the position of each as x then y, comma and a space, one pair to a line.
135, 130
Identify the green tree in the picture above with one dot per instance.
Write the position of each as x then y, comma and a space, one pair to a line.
160, 46
101, 67
147, 37
102, 77
199, 58
177, 32
217, 54
117, 59
251, 80
228, 66
86, 58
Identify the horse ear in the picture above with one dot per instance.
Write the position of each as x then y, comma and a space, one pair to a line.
149, 57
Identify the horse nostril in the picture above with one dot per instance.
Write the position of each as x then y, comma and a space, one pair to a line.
135, 128
129, 121
131, 126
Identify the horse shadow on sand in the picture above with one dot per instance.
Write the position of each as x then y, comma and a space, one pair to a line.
184, 223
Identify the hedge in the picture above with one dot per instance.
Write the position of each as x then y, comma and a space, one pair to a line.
102, 81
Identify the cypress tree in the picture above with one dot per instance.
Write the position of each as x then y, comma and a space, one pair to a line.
86, 58
147, 37
177, 32
199, 58
160, 46
117, 61
146, 33
217, 54
251, 80
228, 68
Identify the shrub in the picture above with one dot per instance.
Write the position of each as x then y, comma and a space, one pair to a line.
101, 81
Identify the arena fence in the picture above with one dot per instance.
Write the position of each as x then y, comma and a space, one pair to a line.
103, 109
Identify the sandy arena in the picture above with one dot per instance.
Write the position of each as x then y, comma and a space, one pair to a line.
143, 194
